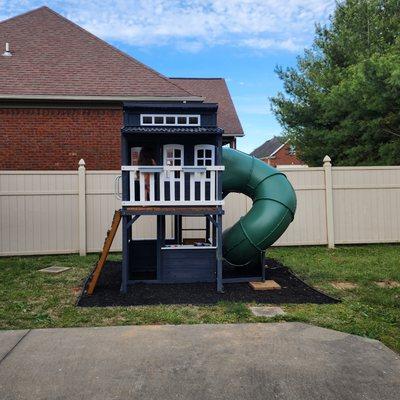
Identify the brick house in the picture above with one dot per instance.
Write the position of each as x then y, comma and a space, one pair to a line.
278, 151
62, 92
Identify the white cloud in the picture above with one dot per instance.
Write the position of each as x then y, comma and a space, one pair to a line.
192, 24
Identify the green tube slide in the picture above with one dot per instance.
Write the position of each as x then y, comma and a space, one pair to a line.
274, 205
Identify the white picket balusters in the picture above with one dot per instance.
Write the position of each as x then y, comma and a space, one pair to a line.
172, 185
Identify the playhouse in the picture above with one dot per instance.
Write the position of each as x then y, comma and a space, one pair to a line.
173, 164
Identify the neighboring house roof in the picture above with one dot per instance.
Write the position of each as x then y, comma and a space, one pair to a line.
269, 148
54, 58
215, 90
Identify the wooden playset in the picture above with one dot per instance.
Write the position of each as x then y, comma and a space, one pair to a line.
174, 164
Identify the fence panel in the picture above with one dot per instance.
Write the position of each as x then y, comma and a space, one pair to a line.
39, 210
366, 203
309, 225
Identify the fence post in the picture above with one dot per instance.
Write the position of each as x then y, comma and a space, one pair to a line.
82, 207
329, 202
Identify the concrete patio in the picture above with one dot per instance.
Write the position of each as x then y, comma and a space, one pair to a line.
240, 361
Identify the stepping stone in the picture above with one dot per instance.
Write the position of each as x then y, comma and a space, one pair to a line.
54, 270
269, 312
388, 284
266, 285
344, 285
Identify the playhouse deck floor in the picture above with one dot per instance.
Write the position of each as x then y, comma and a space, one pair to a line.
293, 290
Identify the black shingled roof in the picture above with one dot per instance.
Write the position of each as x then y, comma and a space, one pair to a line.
172, 129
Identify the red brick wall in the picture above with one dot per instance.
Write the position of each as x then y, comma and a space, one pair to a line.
282, 157
56, 139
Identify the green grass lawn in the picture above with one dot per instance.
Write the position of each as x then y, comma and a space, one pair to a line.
29, 299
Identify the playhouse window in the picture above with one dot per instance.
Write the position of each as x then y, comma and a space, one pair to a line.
147, 120
173, 157
170, 120
204, 156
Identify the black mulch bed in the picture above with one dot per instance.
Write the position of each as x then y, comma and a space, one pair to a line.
294, 290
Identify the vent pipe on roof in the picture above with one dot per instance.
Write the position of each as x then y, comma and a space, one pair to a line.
7, 53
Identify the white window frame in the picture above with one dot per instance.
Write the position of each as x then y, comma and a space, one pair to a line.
202, 177
164, 116
204, 147
170, 176
292, 150
173, 147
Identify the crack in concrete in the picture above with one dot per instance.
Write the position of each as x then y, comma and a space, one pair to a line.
15, 345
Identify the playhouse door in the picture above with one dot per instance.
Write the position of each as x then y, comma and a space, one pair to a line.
173, 184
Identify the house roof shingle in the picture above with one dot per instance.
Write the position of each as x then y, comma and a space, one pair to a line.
215, 90
268, 147
52, 56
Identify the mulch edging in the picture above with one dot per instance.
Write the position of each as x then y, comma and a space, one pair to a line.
294, 290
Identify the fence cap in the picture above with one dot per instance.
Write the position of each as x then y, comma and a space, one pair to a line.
327, 159
81, 162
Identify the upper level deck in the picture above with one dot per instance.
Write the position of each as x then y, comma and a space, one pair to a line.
171, 155
173, 185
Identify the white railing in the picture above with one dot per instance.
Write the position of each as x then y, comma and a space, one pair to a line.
172, 185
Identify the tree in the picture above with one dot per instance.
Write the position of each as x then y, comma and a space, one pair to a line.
343, 97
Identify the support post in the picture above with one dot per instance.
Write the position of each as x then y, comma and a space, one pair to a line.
220, 286
125, 255
179, 237
82, 207
208, 228
330, 228
262, 256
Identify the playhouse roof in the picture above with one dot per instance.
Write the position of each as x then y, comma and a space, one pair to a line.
54, 58
215, 90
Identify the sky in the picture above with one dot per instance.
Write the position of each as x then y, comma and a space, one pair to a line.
240, 40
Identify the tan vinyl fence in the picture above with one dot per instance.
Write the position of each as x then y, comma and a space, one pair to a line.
50, 212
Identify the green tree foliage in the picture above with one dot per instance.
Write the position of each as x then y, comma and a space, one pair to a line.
343, 97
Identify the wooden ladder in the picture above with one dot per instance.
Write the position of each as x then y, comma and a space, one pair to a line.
103, 255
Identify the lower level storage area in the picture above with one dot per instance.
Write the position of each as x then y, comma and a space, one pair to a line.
185, 265
171, 263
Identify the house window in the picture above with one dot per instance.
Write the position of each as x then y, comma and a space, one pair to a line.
169, 120
292, 150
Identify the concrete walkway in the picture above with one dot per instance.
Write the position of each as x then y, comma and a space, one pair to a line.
246, 361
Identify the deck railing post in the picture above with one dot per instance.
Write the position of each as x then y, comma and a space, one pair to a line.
82, 207
330, 228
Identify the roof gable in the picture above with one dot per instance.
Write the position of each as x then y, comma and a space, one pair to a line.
268, 148
215, 90
53, 56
